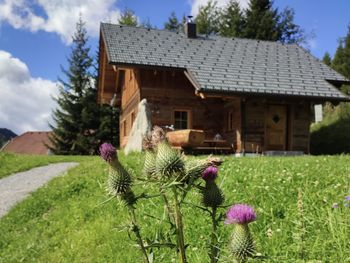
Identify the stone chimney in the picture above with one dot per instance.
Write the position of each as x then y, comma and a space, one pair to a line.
190, 28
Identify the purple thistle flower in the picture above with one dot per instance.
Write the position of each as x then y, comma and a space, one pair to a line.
347, 198
335, 205
240, 214
210, 173
107, 152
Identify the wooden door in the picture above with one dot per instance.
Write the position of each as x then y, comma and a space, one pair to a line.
276, 128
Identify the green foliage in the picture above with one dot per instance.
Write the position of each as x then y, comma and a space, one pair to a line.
70, 220
327, 59
261, 21
207, 18
332, 135
75, 117
173, 23
231, 20
128, 18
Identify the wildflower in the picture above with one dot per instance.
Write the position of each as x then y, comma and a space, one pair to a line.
347, 198
240, 214
107, 152
210, 173
242, 244
335, 205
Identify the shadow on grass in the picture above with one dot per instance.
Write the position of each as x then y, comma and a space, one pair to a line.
333, 138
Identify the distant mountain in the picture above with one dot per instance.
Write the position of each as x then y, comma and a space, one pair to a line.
5, 135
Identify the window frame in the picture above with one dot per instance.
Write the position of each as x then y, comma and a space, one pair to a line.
189, 117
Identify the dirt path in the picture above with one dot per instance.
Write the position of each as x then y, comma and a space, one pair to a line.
16, 187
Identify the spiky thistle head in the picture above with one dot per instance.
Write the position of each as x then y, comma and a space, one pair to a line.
119, 180
240, 214
210, 173
108, 152
242, 243
169, 162
149, 167
212, 195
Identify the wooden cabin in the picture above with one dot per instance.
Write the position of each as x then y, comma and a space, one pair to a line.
254, 95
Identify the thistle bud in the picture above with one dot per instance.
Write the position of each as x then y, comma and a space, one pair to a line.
149, 167
169, 161
212, 196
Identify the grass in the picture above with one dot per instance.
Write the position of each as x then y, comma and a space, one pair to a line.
70, 219
14, 163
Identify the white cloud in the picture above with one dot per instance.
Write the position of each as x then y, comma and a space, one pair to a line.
195, 4
25, 102
58, 16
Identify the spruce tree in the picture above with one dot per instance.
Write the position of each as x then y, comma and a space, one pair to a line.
289, 32
327, 59
74, 118
173, 23
128, 18
231, 20
207, 18
261, 21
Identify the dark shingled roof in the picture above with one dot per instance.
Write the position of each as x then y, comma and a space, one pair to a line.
222, 64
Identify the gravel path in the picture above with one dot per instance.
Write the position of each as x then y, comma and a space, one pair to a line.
16, 187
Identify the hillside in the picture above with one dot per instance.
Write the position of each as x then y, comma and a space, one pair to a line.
5, 135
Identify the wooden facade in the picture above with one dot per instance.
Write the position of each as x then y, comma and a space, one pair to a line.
246, 123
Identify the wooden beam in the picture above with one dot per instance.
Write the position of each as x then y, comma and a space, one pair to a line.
192, 79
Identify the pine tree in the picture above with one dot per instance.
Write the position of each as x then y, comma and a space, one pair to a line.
327, 59
261, 21
207, 18
231, 20
173, 23
128, 18
75, 118
289, 32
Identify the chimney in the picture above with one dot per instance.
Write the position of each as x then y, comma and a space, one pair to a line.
190, 28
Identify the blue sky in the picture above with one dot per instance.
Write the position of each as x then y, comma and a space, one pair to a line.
35, 41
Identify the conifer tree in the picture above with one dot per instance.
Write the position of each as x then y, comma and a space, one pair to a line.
74, 119
289, 32
128, 18
261, 21
207, 18
327, 59
173, 23
231, 20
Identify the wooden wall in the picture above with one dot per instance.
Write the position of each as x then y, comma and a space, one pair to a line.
254, 121
130, 98
107, 85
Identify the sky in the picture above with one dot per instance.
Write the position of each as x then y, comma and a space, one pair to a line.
35, 38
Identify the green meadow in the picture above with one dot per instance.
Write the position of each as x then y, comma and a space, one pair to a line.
71, 219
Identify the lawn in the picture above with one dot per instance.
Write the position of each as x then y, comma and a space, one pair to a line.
14, 163
71, 219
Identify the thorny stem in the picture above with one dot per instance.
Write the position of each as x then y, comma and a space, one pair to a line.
179, 229
136, 230
168, 208
214, 251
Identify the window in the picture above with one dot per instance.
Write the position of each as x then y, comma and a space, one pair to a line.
230, 121
181, 119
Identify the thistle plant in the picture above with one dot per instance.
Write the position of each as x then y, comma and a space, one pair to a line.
212, 197
119, 185
242, 244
